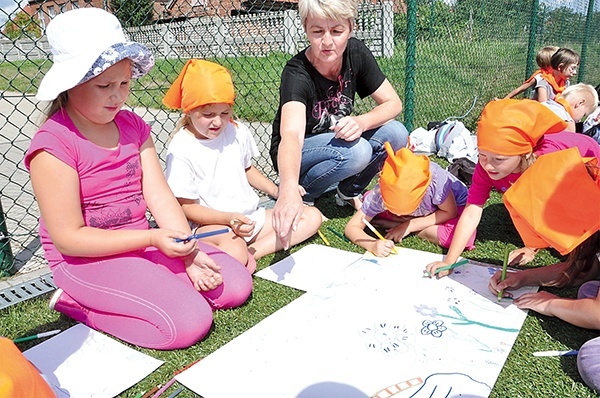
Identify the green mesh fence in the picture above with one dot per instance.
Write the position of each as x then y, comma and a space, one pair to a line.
445, 59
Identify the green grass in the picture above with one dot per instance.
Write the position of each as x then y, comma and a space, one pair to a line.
522, 376
448, 76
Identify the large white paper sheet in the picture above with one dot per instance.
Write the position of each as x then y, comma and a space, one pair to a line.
309, 268
378, 328
81, 362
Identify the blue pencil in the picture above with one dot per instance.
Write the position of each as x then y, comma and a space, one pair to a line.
203, 235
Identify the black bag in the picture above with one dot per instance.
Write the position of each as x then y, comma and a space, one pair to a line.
463, 169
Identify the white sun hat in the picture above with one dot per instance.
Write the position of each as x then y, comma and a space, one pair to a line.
85, 42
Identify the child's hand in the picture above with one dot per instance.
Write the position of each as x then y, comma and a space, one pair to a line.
539, 302
521, 256
203, 271
512, 281
432, 267
242, 225
383, 248
164, 240
399, 232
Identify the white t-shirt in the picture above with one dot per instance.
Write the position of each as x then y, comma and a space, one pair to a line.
213, 171
559, 110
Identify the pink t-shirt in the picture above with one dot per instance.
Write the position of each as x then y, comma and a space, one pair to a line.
110, 179
482, 184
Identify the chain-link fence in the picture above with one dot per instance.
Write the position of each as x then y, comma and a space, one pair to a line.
445, 59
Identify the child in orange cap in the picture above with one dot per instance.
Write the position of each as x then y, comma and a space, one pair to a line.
210, 171
511, 134
555, 203
413, 195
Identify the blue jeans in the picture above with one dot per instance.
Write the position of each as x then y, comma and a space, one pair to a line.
327, 161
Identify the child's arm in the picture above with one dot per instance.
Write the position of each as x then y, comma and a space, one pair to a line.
56, 187
355, 231
542, 94
467, 224
520, 89
584, 312
203, 215
259, 181
445, 211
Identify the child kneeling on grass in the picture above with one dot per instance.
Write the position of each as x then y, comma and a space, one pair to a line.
210, 171
413, 195
511, 134
555, 203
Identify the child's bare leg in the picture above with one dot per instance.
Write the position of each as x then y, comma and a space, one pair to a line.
431, 234
229, 242
266, 242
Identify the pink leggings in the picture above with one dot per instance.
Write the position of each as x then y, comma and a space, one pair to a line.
147, 299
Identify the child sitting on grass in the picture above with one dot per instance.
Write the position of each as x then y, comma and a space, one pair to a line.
413, 195
210, 171
542, 58
564, 64
555, 203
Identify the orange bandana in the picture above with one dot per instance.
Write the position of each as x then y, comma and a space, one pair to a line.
200, 83
18, 377
555, 202
557, 85
512, 127
403, 180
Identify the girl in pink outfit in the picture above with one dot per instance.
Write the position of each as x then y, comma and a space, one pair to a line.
95, 172
511, 134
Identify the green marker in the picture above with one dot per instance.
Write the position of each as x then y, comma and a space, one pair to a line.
451, 266
503, 276
37, 336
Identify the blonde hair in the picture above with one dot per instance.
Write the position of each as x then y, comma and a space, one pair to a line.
57, 104
582, 91
334, 10
544, 56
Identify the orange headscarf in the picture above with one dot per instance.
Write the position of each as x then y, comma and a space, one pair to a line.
512, 127
555, 202
403, 180
200, 83
18, 377
559, 99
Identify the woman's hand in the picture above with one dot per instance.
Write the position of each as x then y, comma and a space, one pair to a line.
164, 240
202, 270
347, 129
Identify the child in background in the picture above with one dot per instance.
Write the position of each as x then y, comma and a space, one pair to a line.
564, 64
574, 104
542, 58
510, 135
591, 125
95, 172
555, 203
210, 171
413, 195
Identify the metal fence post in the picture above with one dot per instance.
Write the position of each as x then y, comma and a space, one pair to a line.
6, 256
586, 35
532, 35
411, 55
